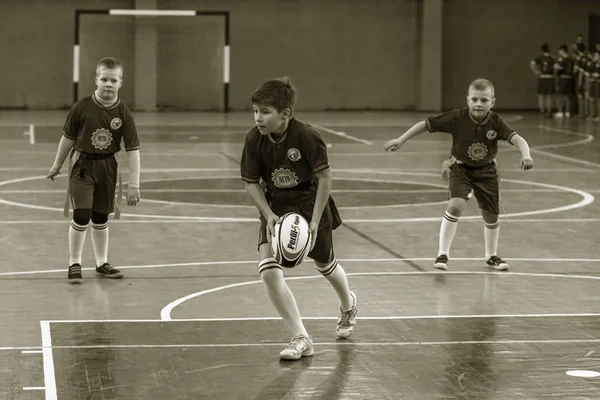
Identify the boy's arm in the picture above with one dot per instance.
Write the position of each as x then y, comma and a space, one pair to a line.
64, 146
133, 191
323, 191
258, 197
521, 144
534, 67
416, 129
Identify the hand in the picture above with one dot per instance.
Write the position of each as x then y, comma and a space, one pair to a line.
133, 196
392, 145
526, 163
271, 221
313, 229
446, 167
53, 172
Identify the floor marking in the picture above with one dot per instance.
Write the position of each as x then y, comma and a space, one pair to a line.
165, 313
48, 360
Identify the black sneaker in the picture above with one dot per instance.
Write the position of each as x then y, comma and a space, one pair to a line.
441, 262
497, 263
75, 274
109, 272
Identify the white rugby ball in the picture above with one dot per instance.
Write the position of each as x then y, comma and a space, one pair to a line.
291, 242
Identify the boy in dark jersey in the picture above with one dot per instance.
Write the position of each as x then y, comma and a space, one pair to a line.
475, 133
290, 158
543, 67
564, 71
93, 131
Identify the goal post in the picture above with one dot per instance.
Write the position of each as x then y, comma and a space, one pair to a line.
153, 13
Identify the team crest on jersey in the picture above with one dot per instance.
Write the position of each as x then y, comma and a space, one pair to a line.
477, 151
116, 123
294, 154
283, 178
101, 138
491, 134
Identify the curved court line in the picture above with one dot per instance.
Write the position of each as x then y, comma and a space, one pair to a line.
587, 138
165, 313
587, 199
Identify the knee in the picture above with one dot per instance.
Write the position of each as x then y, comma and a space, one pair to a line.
98, 218
272, 277
456, 207
81, 216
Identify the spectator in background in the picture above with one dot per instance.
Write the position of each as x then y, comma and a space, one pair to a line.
594, 78
543, 67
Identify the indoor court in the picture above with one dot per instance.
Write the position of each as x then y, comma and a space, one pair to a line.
191, 320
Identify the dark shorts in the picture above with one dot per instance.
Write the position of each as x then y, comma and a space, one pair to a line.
93, 182
546, 86
565, 86
484, 182
330, 220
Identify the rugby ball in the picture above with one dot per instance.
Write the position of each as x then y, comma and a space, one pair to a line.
291, 241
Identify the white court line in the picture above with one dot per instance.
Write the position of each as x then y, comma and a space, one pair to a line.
32, 352
237, 221
338, 343
332, 318
587, 138
34, 388
342, 134
165, 313
48, 360
341, 260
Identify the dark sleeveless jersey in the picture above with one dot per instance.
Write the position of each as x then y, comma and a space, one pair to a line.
289, 167
473, 143
99, 129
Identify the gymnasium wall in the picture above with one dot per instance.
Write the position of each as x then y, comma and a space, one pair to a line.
351, 54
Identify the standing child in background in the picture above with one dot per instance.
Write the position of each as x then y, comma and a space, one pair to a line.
564, 72
94, 129
543, 67
291, 159
594, 76
475, 133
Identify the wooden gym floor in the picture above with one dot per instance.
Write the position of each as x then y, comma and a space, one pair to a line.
190, 320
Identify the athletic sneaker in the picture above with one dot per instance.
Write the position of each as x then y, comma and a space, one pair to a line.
441, 262
497, 263
347, 320
108, 272
75, 273
300, 346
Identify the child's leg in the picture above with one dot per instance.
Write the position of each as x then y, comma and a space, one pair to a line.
279, 292
77, 234
491, 233
100, 236
335, 274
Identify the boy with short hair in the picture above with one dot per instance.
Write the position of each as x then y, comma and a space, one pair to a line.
475, 133
290, 158
93, 131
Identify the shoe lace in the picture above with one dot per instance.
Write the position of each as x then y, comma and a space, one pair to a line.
74, 268
297, 343
346, 317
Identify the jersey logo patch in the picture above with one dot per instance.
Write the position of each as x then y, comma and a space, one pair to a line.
294, 154
101, 138
116, 123
477, 151
491, 134
283, 178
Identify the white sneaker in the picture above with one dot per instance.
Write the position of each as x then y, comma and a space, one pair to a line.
558, 115
300, 346
347, 320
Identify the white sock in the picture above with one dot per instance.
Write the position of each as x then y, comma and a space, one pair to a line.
100, 242
76, 240
491, 235
336, 276
447, 232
